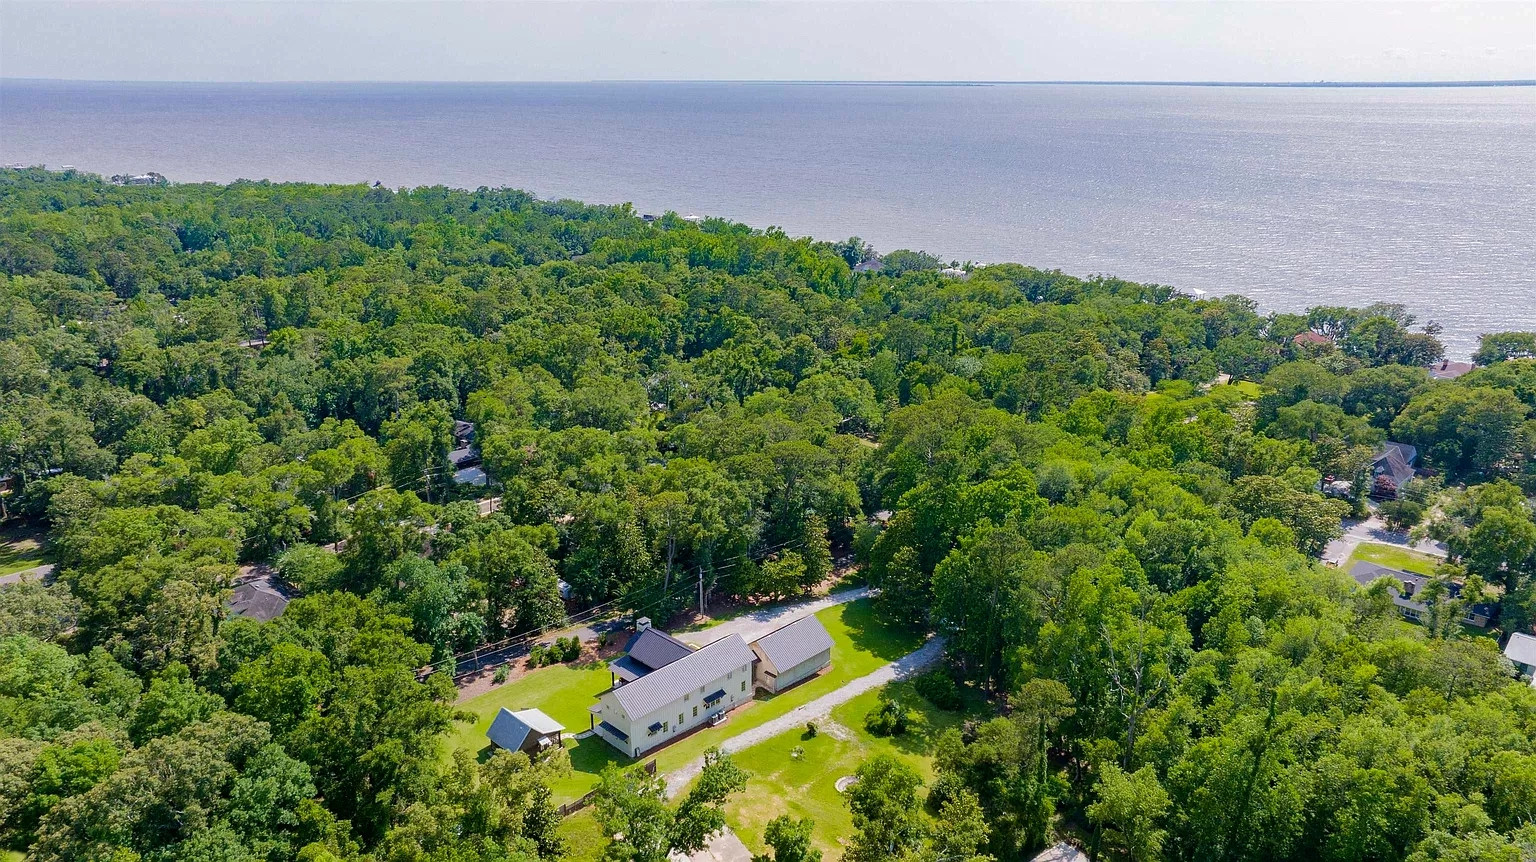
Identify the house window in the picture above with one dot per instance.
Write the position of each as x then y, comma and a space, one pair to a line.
695, 712
685, 697
743, 685
680, 717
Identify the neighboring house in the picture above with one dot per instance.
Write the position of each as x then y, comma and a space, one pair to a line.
1409, 586
463, 432
1392, 469
676, 698
1062, 852
258, 595
527, 730
1448, 370
873, 264
1521, 650
954, 272
466, 458
650, 649
791, 653
1311, 339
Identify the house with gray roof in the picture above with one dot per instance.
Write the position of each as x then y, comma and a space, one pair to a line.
1392, 469
1406, 589
1521, 650
650, 649
791, 653
527, 730
676, 698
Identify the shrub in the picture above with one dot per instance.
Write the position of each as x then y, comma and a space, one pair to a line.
501, 674
538, 656
810, 730
888, 718
568, 649
939, 689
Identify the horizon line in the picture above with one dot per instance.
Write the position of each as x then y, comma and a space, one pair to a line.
1319, 84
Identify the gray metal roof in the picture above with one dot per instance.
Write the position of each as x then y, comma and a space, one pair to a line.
654, 648
665, 685
510, 729
1521, 648
790, 645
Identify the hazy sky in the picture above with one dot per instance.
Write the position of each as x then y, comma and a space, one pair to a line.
291, 40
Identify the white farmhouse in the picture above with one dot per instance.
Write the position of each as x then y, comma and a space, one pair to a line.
791, 653
671, 700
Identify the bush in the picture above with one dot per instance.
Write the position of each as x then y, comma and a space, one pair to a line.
501, 674
568, 649
538, 656
889, 718
810, 730
939, 689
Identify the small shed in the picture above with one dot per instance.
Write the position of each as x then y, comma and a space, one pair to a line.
527, 730
791, 653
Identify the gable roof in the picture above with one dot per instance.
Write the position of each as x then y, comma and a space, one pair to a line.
510, 729
790, 645
1364, 573
653, 649
1521, 648
699, 668
1396, 460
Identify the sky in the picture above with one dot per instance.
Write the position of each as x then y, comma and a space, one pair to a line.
925, 40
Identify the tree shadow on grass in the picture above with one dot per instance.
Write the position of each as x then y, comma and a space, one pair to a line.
873, 635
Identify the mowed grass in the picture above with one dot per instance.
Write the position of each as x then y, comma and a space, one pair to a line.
860, 645
807, 786
21, 548
1393, 557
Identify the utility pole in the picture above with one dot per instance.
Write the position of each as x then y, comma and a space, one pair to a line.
701, 589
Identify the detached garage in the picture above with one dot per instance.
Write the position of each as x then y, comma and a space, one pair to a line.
790, 654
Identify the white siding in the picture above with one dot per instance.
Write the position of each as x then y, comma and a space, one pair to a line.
775, 680
679, 716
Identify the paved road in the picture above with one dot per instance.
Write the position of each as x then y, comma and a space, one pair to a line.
821, 707
39, 573
758, 623
1373, 529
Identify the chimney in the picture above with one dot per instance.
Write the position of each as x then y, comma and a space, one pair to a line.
1408, 589
642, 624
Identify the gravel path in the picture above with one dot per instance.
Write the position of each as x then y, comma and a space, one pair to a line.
758, 623
821, 707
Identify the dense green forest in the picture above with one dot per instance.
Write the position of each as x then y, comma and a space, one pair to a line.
1118, 544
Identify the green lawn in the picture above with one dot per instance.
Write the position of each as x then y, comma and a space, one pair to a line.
806, 786
860, 645
1393, 557
21, 547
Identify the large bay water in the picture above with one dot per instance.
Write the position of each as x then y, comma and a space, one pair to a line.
1292, 196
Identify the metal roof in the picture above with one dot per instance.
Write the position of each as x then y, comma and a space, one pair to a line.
1521, 648
790, 645
653, 649
510, 729
665, 685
